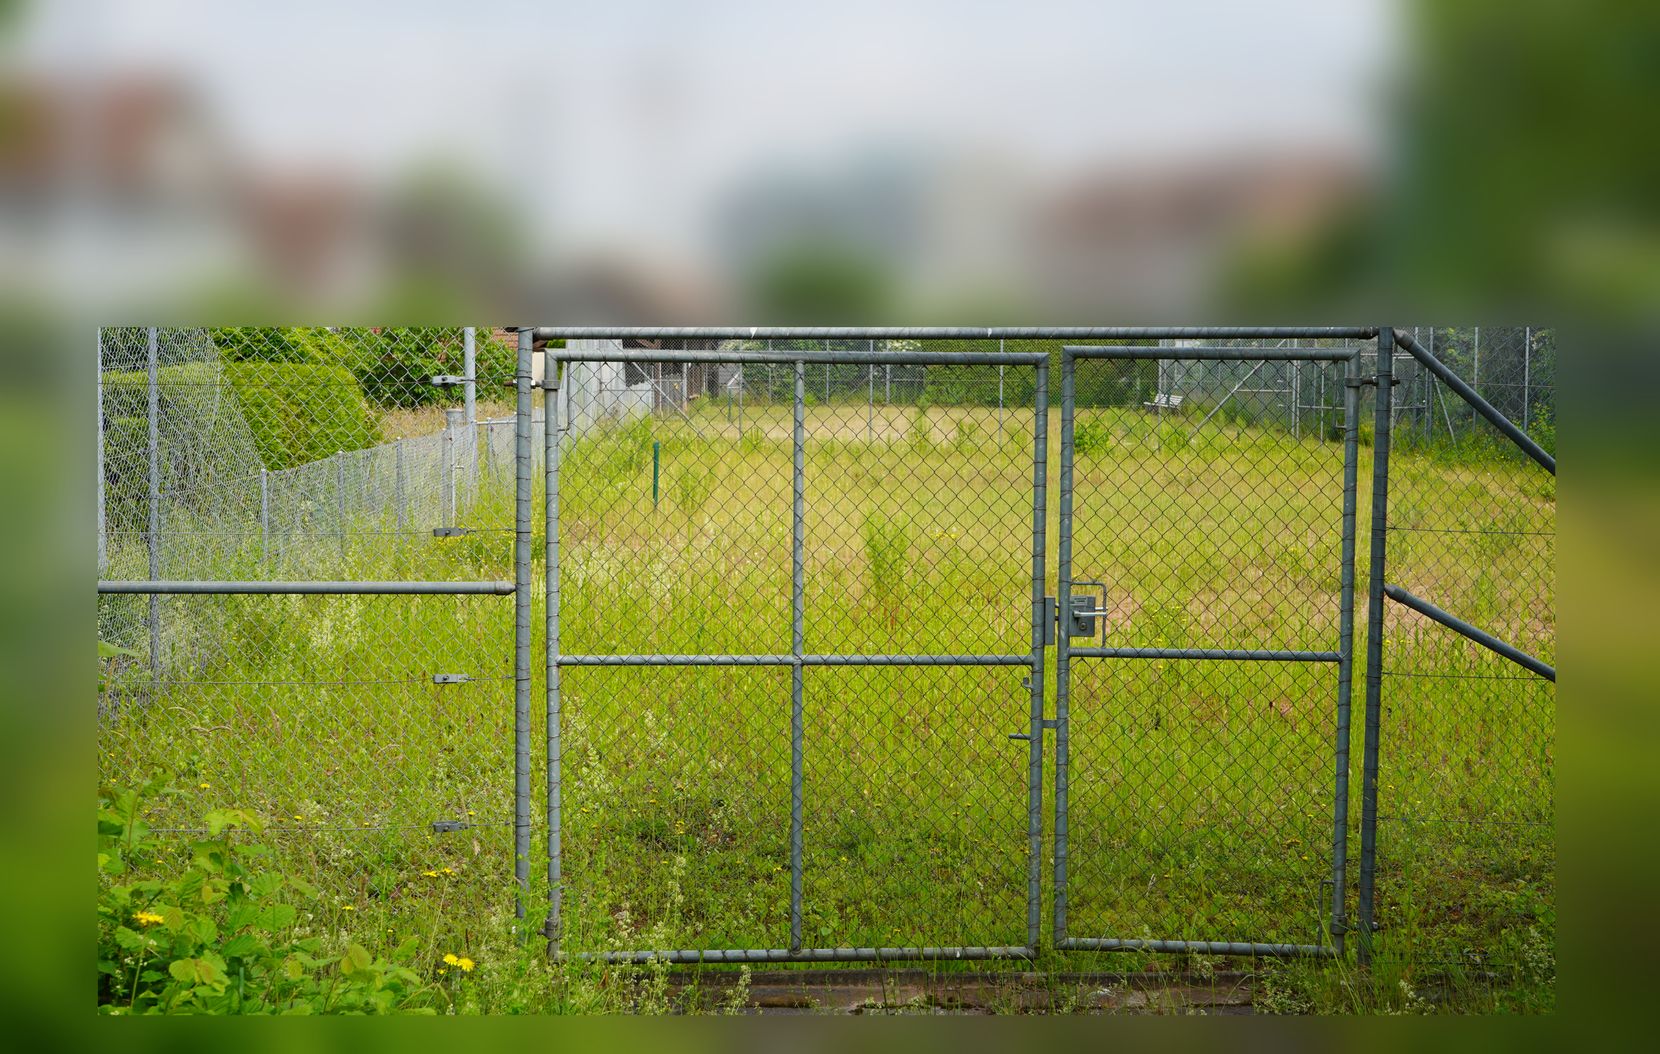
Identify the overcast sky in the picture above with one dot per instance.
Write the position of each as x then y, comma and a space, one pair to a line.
624, 105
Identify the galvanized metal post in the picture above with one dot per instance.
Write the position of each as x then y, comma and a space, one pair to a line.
1527, 375
1063, 646
521, 623
1475, 380
1374, 640
1345, 651
798, 601
340, 499
469, 375
870, 397
398, 498
103, 545
454, 423
1040, 559
555, 756
264, 514
1000, 349
153, 534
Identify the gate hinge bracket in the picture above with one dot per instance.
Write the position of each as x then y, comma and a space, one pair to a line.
446, 380
449, 826
451, 532
1051, 722
450, 678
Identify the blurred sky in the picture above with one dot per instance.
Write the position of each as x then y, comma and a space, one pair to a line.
624, 130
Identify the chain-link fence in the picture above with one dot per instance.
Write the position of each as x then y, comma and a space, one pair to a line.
802, 669
371, 735
1466, 816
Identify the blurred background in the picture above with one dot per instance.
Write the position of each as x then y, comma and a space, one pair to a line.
931, 161
937, 160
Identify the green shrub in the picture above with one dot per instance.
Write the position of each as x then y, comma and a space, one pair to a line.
300, 412
888, 551
393, 365
1090, 438
220, 936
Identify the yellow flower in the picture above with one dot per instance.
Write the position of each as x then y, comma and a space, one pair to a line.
450, 958
148, 918
465, 963
430, 874
204, 786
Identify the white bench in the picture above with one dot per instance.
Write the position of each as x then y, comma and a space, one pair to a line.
1164, 401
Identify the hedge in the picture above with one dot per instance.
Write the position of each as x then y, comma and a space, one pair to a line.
297, 411
393, 365
302, 412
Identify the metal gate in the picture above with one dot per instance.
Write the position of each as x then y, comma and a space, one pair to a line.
797, 623
780, 733
1200, 789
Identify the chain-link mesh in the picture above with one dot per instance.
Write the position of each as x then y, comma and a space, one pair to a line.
1466, 801
1207, 513
1207, 504
677, 538
371, 735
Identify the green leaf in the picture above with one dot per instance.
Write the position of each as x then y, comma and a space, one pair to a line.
199, 971
356, 959
241, 946
275, 916
200, 929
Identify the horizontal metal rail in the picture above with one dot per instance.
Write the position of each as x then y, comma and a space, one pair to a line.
1241, 654
1093, 944
309, 588
1078, 351
1481, 406
1481, 637
955, 332
880, 358
802, 955
790, 660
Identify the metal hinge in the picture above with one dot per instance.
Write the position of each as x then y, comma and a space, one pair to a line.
451, 532
1046, 724
450, 678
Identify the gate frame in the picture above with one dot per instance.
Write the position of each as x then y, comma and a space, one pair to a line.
1379, 590
155, 587
798, 658
1343, 657
556, 659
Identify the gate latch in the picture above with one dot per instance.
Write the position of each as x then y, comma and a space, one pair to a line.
1081, 619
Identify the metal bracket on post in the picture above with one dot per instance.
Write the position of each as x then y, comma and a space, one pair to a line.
450, 678
451, 532
446, 380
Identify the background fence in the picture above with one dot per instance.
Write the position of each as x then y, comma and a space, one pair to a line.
376, 734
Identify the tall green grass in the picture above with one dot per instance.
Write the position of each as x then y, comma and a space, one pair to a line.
1200, 792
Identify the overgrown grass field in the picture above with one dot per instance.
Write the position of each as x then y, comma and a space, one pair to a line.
1201, 793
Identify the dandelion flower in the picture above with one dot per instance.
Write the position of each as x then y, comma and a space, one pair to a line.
450, 957
466, 964
204, 786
